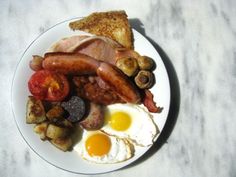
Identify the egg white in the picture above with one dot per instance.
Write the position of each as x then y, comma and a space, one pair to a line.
120, 150
142, 130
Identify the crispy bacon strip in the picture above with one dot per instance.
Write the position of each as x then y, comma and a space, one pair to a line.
149, 102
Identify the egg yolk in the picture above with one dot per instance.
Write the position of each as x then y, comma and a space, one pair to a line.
98, 144
120, 121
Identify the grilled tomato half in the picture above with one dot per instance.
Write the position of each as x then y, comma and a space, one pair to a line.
48, 85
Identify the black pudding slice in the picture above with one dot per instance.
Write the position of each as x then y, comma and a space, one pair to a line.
75, 107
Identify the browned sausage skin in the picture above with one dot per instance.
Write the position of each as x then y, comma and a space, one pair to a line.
80, 64
70, 63
119, 83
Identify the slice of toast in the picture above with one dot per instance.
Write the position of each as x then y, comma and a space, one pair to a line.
112, 24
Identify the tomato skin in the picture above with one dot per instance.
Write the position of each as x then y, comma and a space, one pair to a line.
48, 85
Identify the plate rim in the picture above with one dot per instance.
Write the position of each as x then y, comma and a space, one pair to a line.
17, 125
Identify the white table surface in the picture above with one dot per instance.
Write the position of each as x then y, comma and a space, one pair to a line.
197, 40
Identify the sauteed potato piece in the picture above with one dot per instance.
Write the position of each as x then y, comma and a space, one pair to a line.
41, 129
63, 144
65, 123
55, 113
55, 132
35, 112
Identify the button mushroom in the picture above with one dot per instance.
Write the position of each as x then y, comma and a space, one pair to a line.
144, 79
128, 65
145, 63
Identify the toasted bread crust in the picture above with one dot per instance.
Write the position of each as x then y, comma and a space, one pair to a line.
112, 24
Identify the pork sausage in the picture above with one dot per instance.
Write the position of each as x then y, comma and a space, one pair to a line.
119, 83
80, 64
70, 63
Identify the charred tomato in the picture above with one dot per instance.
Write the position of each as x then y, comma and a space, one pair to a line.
48, 85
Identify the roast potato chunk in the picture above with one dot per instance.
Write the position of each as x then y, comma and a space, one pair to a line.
55, 113
65, 123
63, 144
41, 129
35, 112
55, 132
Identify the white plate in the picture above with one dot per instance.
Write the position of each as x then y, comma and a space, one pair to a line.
71, 161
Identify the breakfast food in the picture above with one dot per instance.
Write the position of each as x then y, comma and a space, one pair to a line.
80, 64
75, 107
130, 121
70, 63
144, 79
48, 85
35, 112
98, 147
95, 118
145, 63
149, 103
97, 86
94, 89
97, 47
119, 83
113, 24
63, 144
50, 122
128, 65
36, 63
55, 113
55, 132
41, 129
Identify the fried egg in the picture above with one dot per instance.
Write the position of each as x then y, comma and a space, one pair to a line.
98, 147
132, 122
